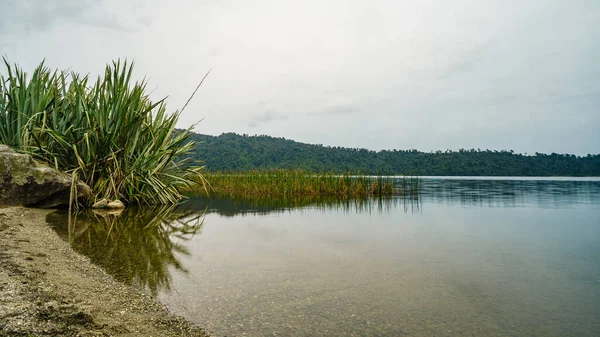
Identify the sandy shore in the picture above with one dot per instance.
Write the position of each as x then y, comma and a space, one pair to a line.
46, 289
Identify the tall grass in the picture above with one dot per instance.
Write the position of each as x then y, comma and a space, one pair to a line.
106, 132
286, 183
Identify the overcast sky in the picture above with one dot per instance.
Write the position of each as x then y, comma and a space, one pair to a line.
429, 75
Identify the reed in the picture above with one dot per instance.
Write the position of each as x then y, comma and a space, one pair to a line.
286, 183
107, 133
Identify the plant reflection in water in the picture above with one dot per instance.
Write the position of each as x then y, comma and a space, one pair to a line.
137, 246
141, 246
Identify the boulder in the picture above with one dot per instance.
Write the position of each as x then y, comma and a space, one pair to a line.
116, 204
24, 181
6, 149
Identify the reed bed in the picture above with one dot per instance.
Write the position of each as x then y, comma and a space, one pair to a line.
284, 183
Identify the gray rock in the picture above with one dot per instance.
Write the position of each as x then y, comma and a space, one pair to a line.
102, 203
24, 181
116, 204
6, 149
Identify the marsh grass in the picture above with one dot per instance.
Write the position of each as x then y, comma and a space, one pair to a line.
107, 133
289, 183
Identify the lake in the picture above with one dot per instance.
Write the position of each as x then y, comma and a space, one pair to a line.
467, 257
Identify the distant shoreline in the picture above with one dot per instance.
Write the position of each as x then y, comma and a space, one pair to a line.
231, 152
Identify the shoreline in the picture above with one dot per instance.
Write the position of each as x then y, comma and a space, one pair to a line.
47, 289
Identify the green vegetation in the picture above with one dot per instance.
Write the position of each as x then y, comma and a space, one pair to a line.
286, 183
108, 133
232, 152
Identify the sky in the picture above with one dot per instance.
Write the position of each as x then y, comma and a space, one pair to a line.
427, 75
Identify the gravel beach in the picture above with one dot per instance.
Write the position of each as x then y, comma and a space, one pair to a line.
47, 289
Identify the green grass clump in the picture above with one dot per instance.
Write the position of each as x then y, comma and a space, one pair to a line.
282, 183
106, 132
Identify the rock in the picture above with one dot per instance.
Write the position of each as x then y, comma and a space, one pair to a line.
24, 181
102, 203
6, 149
116, 204
62, 198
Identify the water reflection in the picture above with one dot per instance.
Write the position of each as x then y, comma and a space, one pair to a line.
465, 191
522, 259
230, 207
509, 192
137, 246
480, 257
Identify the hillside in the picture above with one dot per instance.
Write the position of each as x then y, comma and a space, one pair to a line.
232, 152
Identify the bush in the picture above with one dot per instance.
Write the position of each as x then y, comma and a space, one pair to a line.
107, 133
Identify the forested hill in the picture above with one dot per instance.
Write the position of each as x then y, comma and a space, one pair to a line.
232, 152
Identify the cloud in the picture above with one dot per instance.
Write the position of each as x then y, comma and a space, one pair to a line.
39, 15
269, 115
454, 74
336, 109
466, 61
34, 16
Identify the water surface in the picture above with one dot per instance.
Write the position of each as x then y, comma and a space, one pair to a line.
468, 257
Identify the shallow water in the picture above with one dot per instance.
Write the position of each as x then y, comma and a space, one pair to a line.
468, 257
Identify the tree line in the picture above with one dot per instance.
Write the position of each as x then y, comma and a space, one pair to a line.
234, 152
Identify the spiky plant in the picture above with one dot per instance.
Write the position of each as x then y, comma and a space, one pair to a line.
109, 134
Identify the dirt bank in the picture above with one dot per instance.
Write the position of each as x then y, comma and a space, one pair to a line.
46, 289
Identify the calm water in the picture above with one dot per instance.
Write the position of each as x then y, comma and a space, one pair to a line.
475, 257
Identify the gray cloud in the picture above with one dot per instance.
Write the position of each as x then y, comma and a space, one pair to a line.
340, 109
271, 114
388, 74
467, 61
36, 15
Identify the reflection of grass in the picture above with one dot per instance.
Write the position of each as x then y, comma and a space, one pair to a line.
229, 206
294, 183
136, 247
